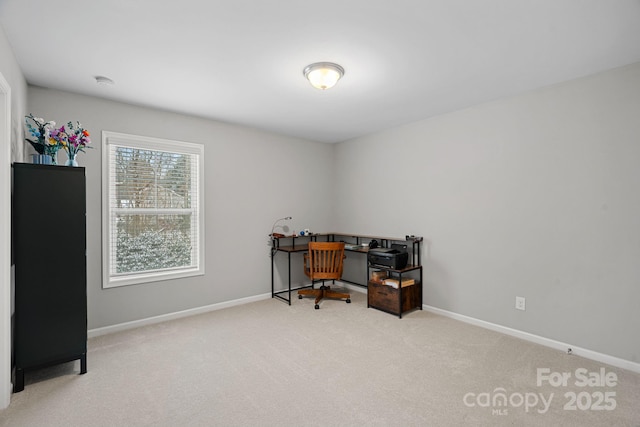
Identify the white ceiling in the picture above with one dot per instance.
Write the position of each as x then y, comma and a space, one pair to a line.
241, 61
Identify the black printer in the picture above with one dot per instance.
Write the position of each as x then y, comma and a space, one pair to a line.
395, 257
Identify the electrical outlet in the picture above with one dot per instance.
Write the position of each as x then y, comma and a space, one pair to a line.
520, 303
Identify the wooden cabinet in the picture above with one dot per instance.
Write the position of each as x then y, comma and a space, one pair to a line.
396, 300
49, 252
392, 300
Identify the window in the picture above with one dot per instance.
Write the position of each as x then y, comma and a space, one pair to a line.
153, 218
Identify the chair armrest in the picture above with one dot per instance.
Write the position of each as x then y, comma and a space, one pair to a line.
307, 270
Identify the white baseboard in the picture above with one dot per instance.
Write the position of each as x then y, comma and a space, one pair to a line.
578, 351
191, 312
171, 316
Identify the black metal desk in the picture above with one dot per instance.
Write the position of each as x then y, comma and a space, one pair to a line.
299, 244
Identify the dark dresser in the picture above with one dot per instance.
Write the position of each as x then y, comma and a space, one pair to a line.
49, 253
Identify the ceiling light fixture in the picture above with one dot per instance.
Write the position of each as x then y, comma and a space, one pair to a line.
102, 80
323, 75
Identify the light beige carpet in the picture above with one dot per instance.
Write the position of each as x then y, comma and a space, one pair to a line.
269, 364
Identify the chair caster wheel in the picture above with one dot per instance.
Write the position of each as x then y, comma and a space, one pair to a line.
299, 296
317, 307
348, 300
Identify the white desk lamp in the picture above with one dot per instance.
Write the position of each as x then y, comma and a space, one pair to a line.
277, 221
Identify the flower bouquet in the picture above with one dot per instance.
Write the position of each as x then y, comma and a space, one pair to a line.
41, 131
73, 140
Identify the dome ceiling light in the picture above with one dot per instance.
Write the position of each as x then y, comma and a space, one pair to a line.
105, 81
323, 75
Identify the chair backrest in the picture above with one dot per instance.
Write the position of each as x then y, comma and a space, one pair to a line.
324, 260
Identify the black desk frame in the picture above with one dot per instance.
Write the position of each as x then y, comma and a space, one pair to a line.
383, 242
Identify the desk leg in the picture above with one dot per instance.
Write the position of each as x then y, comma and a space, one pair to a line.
366, 275
421, 285
400, 295
273, 290
289, 255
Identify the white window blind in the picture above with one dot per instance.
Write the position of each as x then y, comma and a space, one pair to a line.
153, 223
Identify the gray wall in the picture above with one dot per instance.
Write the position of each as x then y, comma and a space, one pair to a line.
251, 179
12, 73
534, 196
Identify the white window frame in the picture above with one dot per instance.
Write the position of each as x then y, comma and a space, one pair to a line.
108, 171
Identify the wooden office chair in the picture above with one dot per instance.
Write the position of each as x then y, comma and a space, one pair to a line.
324, 262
